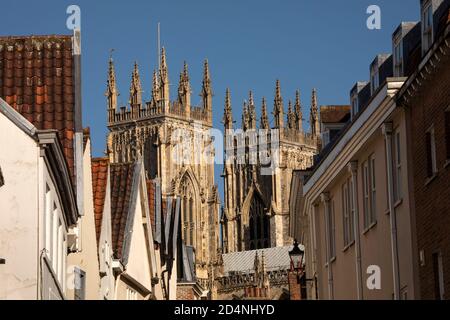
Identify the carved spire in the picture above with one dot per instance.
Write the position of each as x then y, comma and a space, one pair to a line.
251, 111
290, 116
155, 88
314, 115
278, 111
245, 116
264, 117
111, 90
135, 88
298, 112
184, 90
164, 79
207, 91
228, 115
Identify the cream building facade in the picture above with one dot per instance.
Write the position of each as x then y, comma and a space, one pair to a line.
357, 216
39, 211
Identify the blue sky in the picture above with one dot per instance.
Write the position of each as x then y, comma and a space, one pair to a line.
249, 44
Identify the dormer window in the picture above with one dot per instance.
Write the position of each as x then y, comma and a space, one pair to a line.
427, 26
374, 78
398, 57
355, 105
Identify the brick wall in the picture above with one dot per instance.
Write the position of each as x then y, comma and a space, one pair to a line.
294, 287
431, 198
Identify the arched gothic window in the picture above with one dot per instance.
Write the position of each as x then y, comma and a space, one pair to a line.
259, 224
188, 215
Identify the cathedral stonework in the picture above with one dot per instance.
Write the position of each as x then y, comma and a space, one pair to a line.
155, 131
258, 171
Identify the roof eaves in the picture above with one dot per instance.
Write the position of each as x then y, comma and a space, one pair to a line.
14, 116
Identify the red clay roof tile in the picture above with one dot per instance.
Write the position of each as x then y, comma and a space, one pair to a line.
36, 80
121, 189
99, 169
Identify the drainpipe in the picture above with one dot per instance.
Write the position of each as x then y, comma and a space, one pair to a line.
325, 197
387, 132
353, 169
78, 140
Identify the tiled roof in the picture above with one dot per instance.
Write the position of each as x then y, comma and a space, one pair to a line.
334, 114
99, 181
36, 79
275, 258
151, 202
121, 189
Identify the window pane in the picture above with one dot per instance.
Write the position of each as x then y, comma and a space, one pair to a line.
447, 133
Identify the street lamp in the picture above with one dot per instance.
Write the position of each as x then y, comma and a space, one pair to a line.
296, 256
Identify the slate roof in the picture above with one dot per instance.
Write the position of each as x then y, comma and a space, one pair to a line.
275, 258
36, 79
121, 190
334, 114
99, 169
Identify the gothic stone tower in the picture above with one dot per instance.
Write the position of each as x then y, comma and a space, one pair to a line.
174, 141
256, 208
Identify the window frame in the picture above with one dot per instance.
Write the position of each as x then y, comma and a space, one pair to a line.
332, 231
348, 212
55, 233
374, 78
427, 26
397, 164
431, 157
447, 132
398, 56
372, 189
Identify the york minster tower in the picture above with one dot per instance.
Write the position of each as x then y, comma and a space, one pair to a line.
258, 170
155, 131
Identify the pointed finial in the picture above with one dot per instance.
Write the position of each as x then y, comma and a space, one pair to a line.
207, 93
111, 90
278, 111
278, 89
298, 112
163, 58
291, 116
314, 114
185, 71
155, 87
250, 98
264, 117
206, 76
135, 88
228, 116
251, 111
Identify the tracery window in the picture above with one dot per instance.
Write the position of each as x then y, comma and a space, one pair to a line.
188, 212
258, 224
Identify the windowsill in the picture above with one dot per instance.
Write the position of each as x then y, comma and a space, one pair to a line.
373, 224
398, 203
331, 261
447, 163
430, 179
48, 263
348, 246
